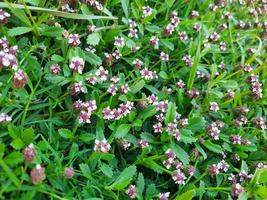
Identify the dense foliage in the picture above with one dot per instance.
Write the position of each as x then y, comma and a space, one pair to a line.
120, 99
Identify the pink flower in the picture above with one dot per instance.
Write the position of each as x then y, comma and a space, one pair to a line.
77, 64
162, 106
74, 40
237, 190
5, 118
164, 196
147, 11
158, 128
37, 174
108, 113
20, 79
179, 177
119, 41
164, 56
68, 172
112, 89
213, 106
29, 153
143, 143
137, 63
152, 99
76, 88
4, 17
91, 79
55, 69
84, 117
131, 191
102, 73
154, 41
147, 74
125, 89
102, 146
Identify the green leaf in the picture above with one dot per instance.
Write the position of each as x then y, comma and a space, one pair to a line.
168, 44
170, 115
196, 124
27, 135
106, 169
213, 147
13, 158
140, 185
124, 178
52, 31
186, 136
263, 176
57, 58
13, 131
125, 5
180, 153
85, 170
93, 39
150, 191
18, 31
17, 144
122, 130
186, 196
262, 191
148, 112
33, 2
138, 86
10, 173
163, 75
66, 133
92, 58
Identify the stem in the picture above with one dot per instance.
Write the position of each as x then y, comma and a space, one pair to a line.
58, 13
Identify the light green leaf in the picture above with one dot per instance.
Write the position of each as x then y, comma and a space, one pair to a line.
186, 196
122, 130
170, 115
180, 153
138, 86
124, 178
106, 169
18, 31
93, 39
66, 133
213, 147
125, 5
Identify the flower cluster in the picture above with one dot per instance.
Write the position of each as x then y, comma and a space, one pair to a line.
214, 129
215, 169
5, 118
117, 113
85, 110
255, 86
96, 5
102, 146
170, 28
4, 17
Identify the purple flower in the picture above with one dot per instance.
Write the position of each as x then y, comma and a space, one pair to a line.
5, 118
68, 172
162, 106
76, 88
4, 17
164, 196
154, 41
143, 143
131, 191
164, 56
119, 41
213, 106
19, 79
29, 153
147, 11
137, 63
158, 128
84, 117
178, 177
55, 69
74, 40
237, 190
102, 146
37, 174
77, 64
101, 73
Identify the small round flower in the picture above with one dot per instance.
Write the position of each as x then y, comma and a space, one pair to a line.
137, 63
147, 11
223, 46
91, 79
116, 54
55, 69
65, 33
235, 139
213, 169
29, 153
180, 84
125, 144
77, 64
101, 73
90, 28
164, 196
90, 49
37, 174
183, 36
213, 106
5, 118
197, 27
162, 106
112, 89
164, 56
76, 88
84, 117
68, 172
4, 43
19, 79
102, 146
237, 190
108, 113
194, 14
154, 41
74, 40
178, 177
223, 166
119, 41
143, 143
131, 191
158, 128
188, 60
213, 37
125, 88
4, 17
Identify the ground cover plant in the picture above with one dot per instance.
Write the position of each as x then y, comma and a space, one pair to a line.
121, 99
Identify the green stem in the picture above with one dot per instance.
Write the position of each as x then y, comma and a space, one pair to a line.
59, 13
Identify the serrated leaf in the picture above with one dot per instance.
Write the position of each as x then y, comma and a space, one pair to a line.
85, 170
122, 130
13, 158
92, 58
213, 147
18, 31
196, 124
124, 178
27, 135
106, 169
66, 133
180, 153
51, 31
140, 185
93, 39
148, 112
17, 144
